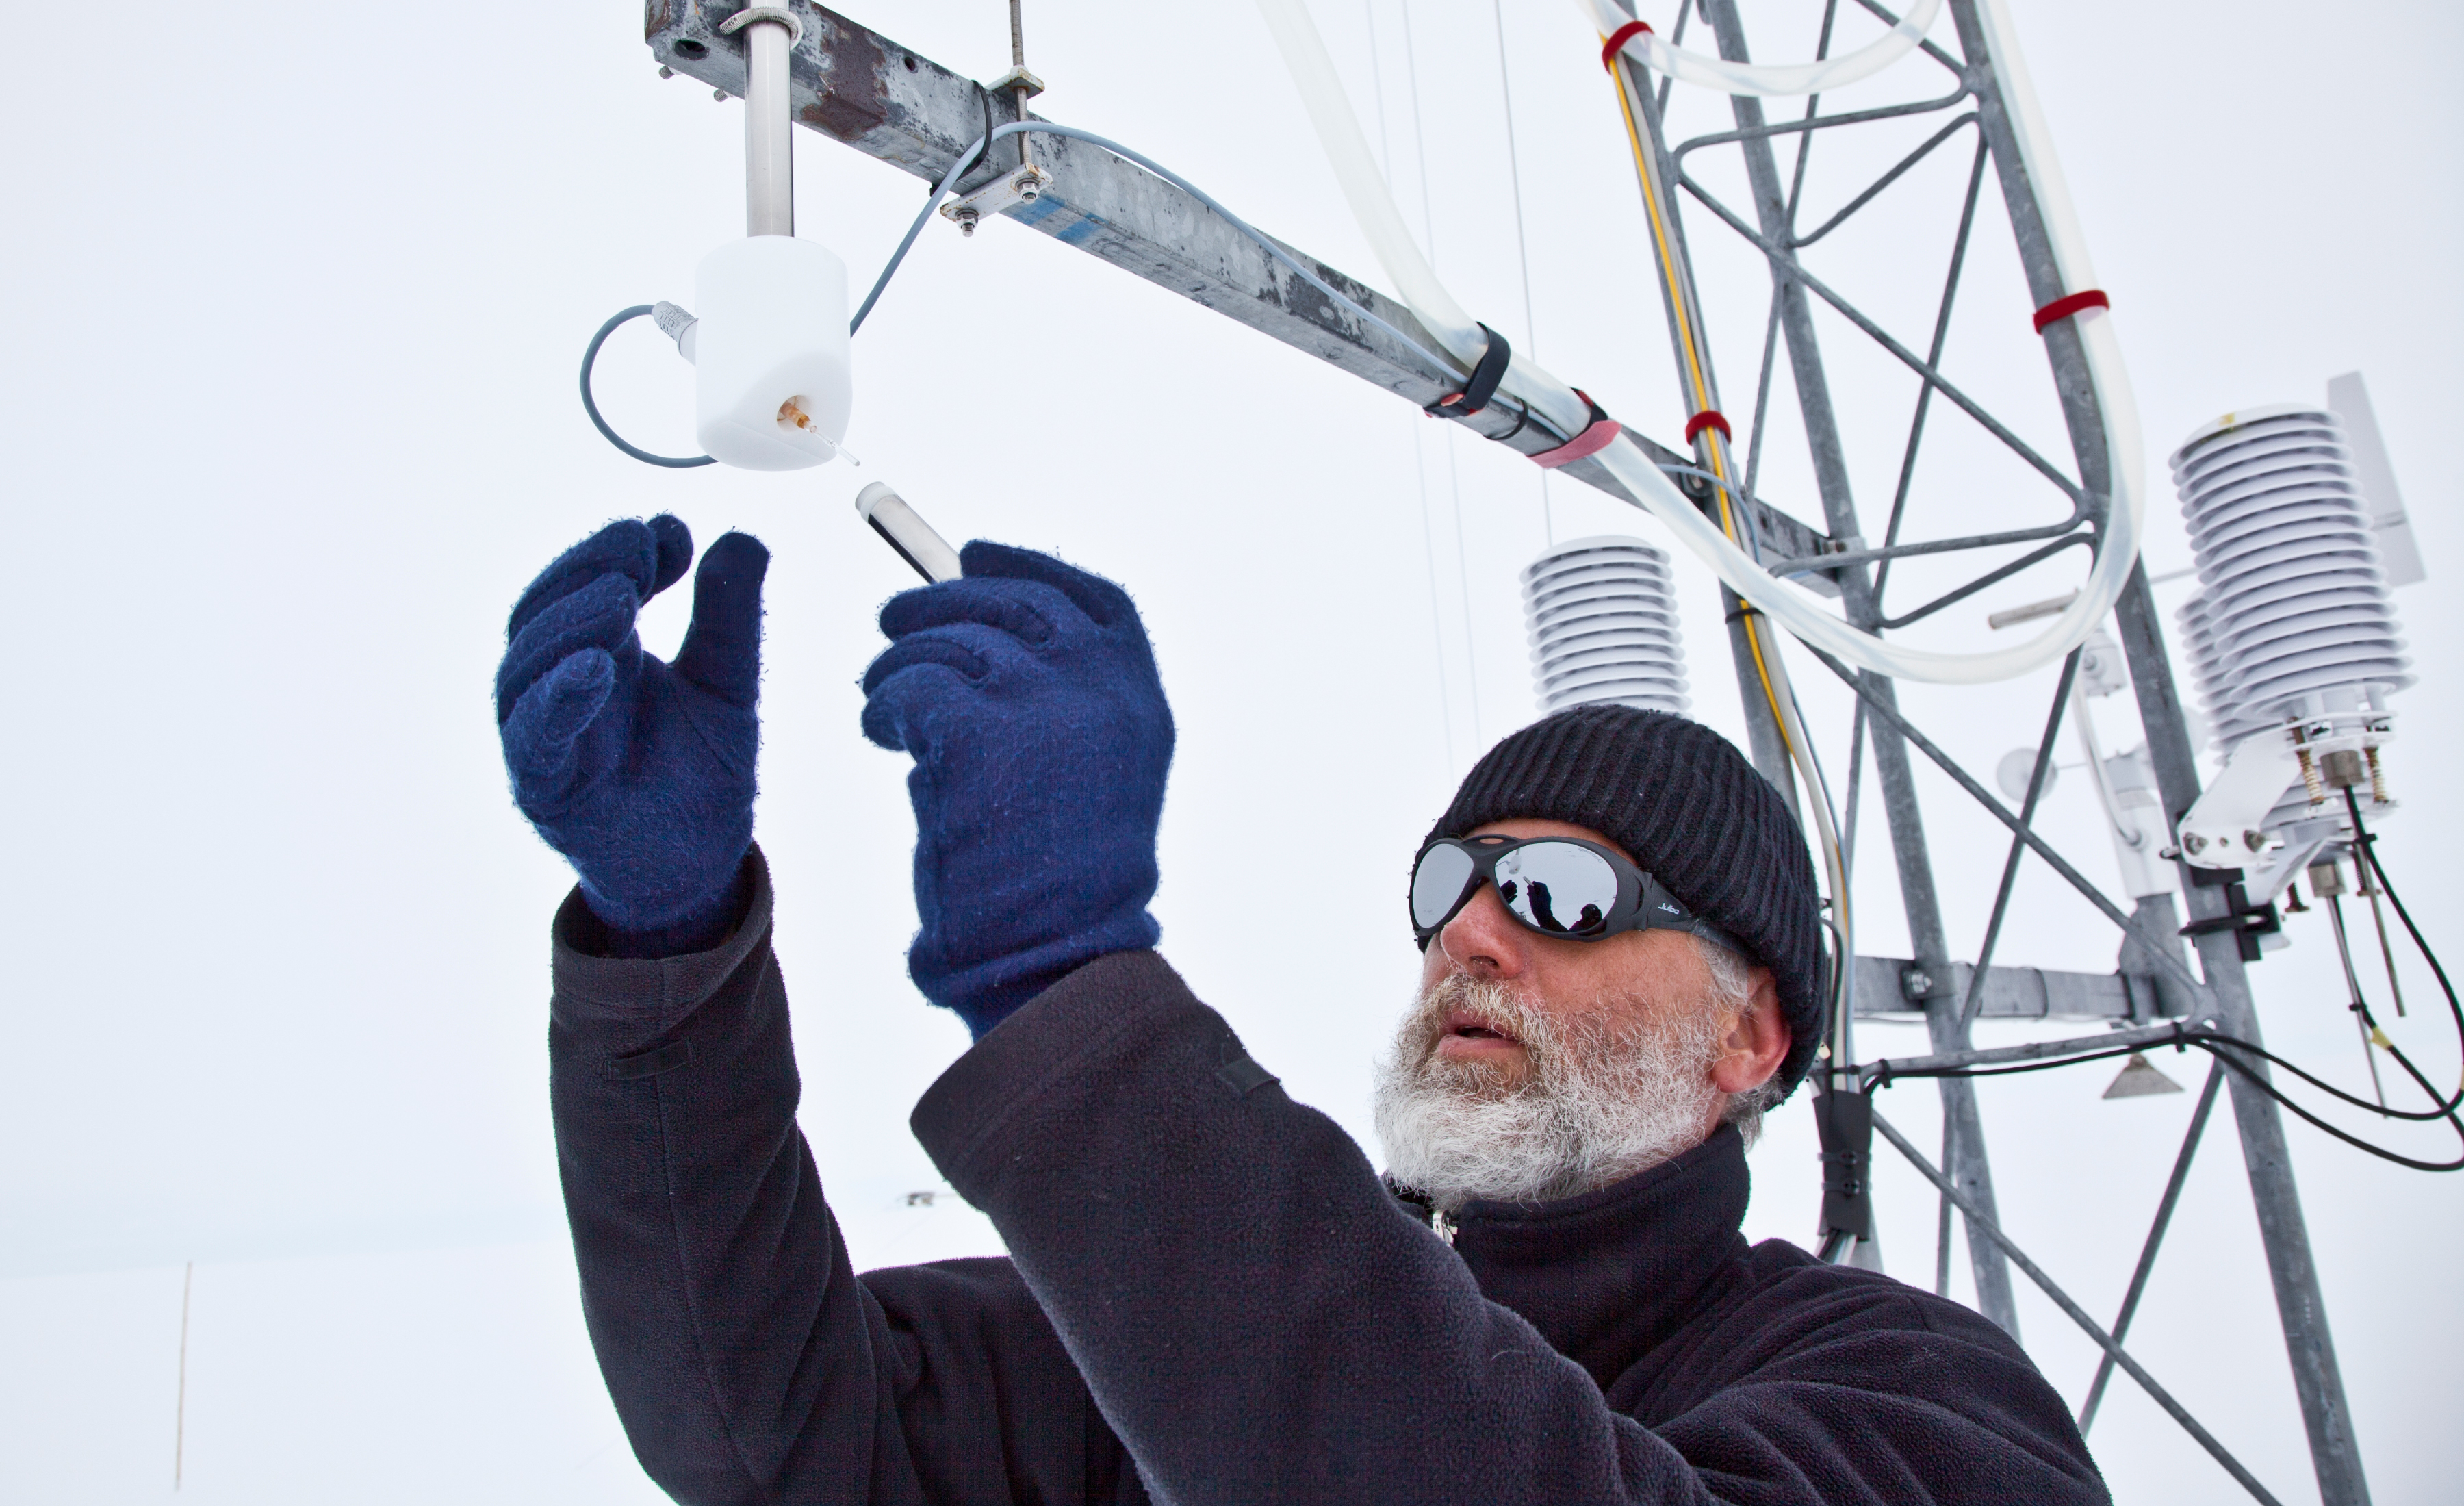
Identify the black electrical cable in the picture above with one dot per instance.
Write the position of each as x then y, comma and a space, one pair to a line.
2315, 1122
1839, 951
590, 405
2223, 1047
2229, 1050
2365, 843
2445, 1106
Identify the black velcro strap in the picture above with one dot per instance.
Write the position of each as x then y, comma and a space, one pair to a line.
1244, 1076
1483, 385
649, 1064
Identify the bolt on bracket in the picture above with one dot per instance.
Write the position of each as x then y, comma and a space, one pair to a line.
1025, 185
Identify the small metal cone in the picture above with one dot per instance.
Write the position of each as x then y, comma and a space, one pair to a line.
2140, 1077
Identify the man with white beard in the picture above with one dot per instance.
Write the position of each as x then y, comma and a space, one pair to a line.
1210, 1296
1511, 1083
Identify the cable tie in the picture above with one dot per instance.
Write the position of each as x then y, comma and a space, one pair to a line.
1744, 609
1709, 418
1482, 385
1522, 421
2063, 309
1617, 41
1596, 436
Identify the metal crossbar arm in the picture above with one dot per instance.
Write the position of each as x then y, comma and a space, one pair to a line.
2159, 947
2009, 993
2078, 1315
894, 104
1895, 1067
2155, 1238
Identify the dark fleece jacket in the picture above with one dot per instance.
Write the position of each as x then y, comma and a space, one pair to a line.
1211, 1297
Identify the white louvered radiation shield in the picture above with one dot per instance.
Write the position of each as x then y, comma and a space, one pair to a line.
2292, 626
1602, 617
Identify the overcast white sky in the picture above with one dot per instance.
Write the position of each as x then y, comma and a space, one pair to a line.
297, 305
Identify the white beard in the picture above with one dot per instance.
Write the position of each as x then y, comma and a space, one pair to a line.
1598, 1104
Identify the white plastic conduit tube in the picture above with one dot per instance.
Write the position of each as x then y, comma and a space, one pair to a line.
1372, 205
1339, 129
1765, 79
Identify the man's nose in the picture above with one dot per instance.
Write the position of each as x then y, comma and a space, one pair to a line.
1483, 941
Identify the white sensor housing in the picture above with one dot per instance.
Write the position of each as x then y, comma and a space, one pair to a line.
770, 353
1603, 614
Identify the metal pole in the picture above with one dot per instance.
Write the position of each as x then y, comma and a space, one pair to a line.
1969, 1168
769, 151
2299, 1303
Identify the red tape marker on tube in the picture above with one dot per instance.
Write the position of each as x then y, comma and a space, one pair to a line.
2063, 309
1617, 42
1595, 437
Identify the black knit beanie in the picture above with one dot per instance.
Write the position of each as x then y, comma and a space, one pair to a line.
1695, 814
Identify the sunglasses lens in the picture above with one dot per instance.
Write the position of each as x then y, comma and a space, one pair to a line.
1557, 887
1437, 883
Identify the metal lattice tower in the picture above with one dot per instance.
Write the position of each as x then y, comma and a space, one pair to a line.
1953, 107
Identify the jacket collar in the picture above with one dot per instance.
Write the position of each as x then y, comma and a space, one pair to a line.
1607, 1276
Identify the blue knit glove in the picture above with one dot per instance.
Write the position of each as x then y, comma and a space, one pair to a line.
1029, 698
639, 772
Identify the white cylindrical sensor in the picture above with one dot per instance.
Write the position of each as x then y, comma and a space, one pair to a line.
773, 386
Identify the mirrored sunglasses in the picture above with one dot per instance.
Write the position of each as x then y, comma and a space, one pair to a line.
1555, 885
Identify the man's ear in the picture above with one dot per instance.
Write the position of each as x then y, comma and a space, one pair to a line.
1758, 1041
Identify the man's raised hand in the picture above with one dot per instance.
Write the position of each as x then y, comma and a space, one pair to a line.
1028, 695
639, 771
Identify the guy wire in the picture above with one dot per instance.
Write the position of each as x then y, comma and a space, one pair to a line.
1522, 245
1420, 459
1429, 234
